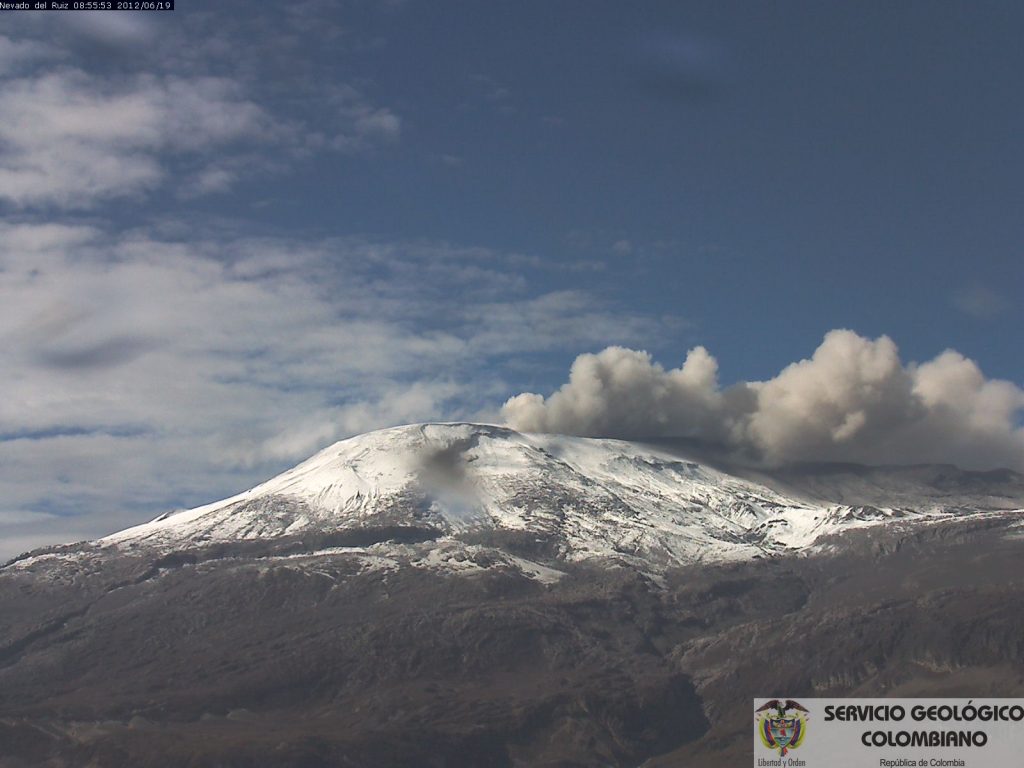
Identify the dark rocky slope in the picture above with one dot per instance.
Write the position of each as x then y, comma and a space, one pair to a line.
266, 655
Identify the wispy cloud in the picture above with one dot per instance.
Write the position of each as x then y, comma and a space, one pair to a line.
202, 110
981, 301
16, 54
690, 69
74, 140
143, 371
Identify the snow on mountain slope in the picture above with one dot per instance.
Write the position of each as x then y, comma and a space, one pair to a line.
594, 498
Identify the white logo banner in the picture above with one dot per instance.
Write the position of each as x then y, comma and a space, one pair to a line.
888, 733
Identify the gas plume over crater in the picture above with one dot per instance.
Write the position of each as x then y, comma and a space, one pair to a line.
854, 400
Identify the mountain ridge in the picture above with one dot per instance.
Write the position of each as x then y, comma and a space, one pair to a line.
648, 505
462, 595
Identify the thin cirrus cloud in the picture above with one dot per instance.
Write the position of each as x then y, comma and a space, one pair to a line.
198, 113
18, 54
981, 302
852, 400
144, 372
71, 140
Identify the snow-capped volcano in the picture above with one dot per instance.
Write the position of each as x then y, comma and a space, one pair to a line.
589, 498
468, 595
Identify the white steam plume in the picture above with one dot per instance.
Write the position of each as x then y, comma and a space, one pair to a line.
853, 400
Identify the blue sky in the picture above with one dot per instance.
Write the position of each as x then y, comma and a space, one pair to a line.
233, 233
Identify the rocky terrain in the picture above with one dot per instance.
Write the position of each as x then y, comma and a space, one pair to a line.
457, 595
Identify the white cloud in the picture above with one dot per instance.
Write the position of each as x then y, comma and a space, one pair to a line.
364, 123
144, 371
114, 30
17, 54
79, 128
853, 400
73, 140
211, 180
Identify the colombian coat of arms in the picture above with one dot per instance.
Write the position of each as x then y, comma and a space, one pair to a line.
782, 725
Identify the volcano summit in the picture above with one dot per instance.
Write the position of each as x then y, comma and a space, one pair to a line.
467, 595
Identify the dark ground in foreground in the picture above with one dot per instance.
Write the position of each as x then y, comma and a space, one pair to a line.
236, 658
